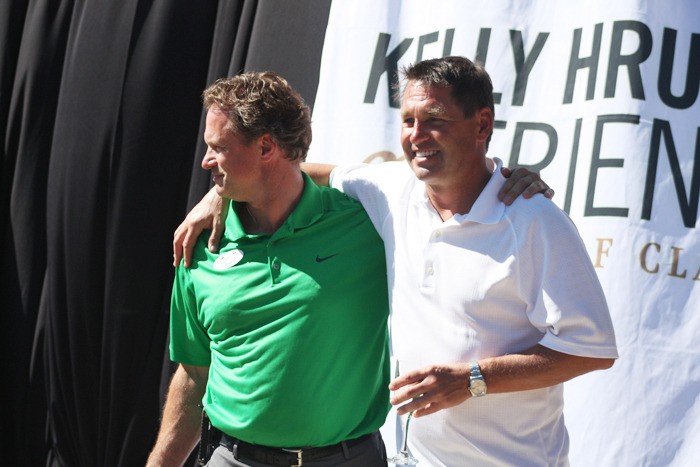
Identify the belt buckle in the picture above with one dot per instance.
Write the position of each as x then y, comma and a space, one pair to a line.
298, 453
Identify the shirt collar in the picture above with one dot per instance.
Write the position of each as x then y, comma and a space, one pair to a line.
307, 211
487, 209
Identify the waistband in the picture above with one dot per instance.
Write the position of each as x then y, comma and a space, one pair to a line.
288, 456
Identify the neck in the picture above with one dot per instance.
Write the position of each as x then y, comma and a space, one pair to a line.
267, 212
451, 200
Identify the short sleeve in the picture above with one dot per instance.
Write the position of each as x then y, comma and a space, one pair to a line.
564, 296
189, 341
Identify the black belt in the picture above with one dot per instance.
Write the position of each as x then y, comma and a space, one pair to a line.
286, 457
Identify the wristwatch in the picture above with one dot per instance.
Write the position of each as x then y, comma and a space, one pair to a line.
477, 384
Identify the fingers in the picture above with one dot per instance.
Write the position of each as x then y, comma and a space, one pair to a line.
416, 406
215, 237
537, 186
210, 211
421, 406
427, 410
218, 227
430, 389
434, 400
523, 182
188, 246
528, 188
406, 379
408, 393
184, 240
177, 245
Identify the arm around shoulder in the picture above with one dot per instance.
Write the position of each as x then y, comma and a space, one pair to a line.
319, 173
210, 212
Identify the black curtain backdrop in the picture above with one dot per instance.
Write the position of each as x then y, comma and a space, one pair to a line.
100, 124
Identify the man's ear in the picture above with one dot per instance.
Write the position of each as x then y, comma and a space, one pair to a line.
267, 146
485, 122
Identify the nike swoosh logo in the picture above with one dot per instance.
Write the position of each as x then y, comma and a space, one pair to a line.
320, 259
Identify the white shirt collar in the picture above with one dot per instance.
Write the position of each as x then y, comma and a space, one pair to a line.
487, 209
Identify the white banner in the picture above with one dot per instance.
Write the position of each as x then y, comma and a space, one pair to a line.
602, 98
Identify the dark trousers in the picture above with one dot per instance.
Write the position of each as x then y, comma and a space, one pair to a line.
369, 453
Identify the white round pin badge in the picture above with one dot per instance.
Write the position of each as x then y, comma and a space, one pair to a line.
228, 259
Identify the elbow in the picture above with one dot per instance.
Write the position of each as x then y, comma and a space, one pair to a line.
590, 364
605, 363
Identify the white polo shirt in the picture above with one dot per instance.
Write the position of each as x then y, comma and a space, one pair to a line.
496, 280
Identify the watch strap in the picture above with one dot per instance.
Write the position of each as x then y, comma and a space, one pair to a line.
477, 383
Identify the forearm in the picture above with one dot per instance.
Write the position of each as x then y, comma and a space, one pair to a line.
319, 173
536, 368
436, 387
180, 426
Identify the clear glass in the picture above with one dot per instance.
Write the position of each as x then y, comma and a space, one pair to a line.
403, 457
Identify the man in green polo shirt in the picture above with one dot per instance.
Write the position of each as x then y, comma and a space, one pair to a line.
282, 335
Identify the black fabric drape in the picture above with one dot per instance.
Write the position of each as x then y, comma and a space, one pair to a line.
101, 115
31, 91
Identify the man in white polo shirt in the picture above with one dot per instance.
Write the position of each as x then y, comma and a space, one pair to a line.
487, 300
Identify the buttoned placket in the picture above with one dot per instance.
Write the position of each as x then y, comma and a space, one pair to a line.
430, 252
274, 262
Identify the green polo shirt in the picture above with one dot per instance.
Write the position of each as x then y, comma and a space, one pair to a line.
293, 326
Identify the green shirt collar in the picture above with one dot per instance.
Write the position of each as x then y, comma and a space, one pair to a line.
308, 211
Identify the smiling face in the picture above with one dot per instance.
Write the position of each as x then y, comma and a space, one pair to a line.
234, 162
440, 144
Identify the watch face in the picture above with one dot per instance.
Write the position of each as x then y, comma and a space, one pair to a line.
477, 387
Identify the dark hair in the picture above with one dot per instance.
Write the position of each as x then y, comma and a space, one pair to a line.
263, 102
471, 84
